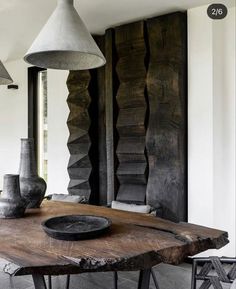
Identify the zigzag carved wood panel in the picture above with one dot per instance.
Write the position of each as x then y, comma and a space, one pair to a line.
166, 135
145, 76
79, 143
131, 72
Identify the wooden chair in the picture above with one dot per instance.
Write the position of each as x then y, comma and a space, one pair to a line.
212, 272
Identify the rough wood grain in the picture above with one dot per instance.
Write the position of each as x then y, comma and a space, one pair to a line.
131, 72
135, 242
166, 134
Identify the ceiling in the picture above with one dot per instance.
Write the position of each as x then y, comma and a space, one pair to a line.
21, 20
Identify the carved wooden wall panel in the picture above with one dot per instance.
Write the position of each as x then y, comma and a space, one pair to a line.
166, 135
79, 143
140, 124
109, 114
131, 72
101, 137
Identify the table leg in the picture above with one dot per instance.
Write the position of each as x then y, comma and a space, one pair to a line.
115, 280
49, 282
39, 282
68, 282
144, 279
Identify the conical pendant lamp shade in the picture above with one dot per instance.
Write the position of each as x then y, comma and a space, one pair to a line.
65, 43
5, 78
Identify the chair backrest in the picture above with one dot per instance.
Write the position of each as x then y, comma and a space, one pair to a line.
66, 198
213, 271
146, 209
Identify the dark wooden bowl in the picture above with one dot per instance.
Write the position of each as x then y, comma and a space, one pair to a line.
76, 227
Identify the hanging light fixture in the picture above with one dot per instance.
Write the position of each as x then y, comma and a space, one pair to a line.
5, 78
65, 43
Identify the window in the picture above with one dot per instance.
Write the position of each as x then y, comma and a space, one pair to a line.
42, 120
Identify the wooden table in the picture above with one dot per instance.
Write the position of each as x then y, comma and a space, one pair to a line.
135, 242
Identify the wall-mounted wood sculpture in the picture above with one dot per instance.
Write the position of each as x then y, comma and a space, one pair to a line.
131, 72
142, 118
79, 143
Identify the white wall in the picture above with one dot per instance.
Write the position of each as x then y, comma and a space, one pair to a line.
58, 111
211, 127
13, 125
13, 119
224, 50
200, 122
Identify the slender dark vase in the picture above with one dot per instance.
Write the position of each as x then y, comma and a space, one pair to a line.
32, 187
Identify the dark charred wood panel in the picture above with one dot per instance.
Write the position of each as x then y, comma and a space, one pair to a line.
131, 72
102, 127
166, 134
109, 114
79, 142
141, 117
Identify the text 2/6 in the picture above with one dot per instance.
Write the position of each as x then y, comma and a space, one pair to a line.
217, 11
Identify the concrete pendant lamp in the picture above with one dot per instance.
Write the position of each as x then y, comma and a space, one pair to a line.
5, 78
65, 43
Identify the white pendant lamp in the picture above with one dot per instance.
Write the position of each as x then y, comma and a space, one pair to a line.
65, 43
5, 78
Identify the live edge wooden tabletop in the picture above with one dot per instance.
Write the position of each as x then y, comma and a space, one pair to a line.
134, 242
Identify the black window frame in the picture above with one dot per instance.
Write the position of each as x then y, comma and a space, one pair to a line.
33, 105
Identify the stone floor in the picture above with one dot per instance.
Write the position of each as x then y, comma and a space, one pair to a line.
169, 277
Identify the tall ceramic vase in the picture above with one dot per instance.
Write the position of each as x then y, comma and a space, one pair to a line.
32, 187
